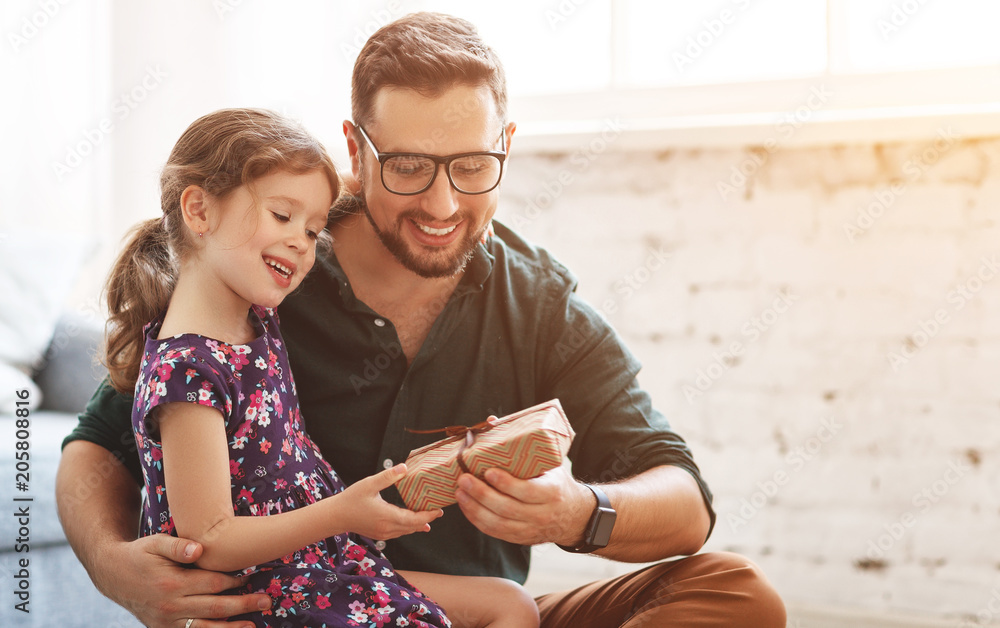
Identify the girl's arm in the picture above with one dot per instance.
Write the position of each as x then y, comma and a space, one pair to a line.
478, 601
196, 470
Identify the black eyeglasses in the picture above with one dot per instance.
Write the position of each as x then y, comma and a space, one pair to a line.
407, 174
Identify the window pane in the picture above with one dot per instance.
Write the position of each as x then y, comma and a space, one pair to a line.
677, 42
886, 35
546, 47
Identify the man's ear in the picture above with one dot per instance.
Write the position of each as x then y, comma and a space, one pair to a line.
194, 208
511, 127
350, 133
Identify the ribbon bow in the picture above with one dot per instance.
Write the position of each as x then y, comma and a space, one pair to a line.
469, 431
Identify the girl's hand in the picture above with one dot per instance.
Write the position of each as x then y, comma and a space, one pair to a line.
365, 512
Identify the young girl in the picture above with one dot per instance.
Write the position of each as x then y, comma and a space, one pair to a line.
245, 198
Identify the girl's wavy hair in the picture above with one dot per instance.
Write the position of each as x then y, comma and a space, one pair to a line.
219, 153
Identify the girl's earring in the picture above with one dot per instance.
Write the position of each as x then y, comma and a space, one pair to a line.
201, 234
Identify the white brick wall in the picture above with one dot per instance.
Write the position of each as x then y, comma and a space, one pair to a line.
824, 357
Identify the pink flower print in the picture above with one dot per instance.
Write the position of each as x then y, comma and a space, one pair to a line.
401, 621
163, 371
167, 527
157, 453
280, 484
353, 551
274, 589
365, 567
265, 445
205, 394
323, 601
381, 618
382, 598
356, 589
260, 363
245, 494
159, 493
189, 375
236, 468
161, 389
286, 446
239, 442
287, 603
238, 359
404, 594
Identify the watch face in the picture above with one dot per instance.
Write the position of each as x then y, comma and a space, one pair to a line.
602, 527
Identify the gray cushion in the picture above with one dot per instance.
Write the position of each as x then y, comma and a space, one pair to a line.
70, 372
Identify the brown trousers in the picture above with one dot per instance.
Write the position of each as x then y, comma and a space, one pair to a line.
715, 589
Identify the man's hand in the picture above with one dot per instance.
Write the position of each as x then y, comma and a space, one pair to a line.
550, 508
149, 581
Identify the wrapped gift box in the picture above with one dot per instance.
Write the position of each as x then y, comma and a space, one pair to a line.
526, 444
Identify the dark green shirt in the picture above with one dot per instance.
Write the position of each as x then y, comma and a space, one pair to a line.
513, 334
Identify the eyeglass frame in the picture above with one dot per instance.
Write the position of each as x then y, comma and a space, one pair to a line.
438, 160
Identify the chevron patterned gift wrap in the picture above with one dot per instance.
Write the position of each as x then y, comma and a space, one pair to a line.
526, 444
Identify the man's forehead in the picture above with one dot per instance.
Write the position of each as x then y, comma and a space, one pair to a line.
457, 115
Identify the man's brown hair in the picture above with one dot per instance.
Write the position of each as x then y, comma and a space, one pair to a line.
428, 53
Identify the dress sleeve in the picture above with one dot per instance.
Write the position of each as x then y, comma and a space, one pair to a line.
619, 433
182, 374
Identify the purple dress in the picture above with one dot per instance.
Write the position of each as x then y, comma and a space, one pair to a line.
274, 467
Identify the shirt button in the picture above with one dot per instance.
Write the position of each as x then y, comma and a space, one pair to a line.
380, 545
387, 463
379, 322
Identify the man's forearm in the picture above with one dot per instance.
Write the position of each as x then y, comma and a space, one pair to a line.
661, 513
98, 501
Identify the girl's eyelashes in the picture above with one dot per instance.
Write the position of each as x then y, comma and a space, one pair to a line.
280, 217
312, 234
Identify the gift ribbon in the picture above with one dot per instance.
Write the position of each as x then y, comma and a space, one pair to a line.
469, 431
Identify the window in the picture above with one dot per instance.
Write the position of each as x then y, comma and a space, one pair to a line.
727, 71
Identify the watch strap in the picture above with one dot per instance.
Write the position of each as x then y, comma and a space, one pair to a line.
587, 545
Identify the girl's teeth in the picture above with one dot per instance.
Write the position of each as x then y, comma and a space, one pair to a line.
281, 269
436, 232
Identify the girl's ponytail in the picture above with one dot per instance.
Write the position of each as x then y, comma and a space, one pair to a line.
138, 290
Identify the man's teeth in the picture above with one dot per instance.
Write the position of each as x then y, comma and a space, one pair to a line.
435, 232
284, 270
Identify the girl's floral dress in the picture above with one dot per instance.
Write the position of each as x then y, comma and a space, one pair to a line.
340, 581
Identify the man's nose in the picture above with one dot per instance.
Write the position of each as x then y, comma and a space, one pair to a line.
440, 199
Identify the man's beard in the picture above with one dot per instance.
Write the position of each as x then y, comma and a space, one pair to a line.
435, 268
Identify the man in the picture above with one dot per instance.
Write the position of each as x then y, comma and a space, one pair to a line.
423, 317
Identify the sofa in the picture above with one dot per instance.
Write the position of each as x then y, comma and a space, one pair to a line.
60, 592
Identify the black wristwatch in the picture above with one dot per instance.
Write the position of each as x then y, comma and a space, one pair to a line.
598, 530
